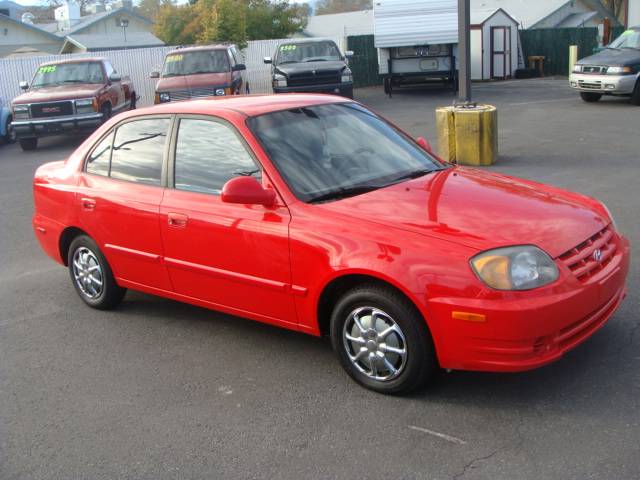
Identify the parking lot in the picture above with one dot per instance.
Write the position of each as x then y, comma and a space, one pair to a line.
158, 389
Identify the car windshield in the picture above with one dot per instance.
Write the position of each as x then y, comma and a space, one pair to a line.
307, 52
326, 152
628, 39
62, 73
190, 63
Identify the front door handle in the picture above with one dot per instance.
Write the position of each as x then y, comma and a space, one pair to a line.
88, 203
178, 220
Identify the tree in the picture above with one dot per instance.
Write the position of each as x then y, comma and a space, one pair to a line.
324, 7
617, 7
232, 22
149, 8
274, 19
174, 24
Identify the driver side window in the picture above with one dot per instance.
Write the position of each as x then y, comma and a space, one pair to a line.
208, 154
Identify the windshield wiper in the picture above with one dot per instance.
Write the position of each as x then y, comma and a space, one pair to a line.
416, 174
75, 81
344, 193
316, 60
288, 61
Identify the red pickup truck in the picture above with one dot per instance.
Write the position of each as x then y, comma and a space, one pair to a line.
69, 96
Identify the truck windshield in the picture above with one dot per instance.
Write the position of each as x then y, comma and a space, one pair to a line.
307, 52
326, 152
191, 63
81, 72
628, 39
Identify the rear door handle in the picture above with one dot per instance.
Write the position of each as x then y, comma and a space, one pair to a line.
178, 220
88, 203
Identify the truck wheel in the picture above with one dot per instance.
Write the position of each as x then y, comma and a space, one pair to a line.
9, 133
590, 97
247, 89
387, 86
28, 144
635, 96
106, 112
134, 99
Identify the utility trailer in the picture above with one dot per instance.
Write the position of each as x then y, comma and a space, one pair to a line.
417, 41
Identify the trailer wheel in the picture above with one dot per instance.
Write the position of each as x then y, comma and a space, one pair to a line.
387, 86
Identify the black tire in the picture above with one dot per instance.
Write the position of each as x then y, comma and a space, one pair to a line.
386, 85
106, 112
419, 362
28, 144
9, 133
635, 96
134, 100
590, 97
109, 294
247, 90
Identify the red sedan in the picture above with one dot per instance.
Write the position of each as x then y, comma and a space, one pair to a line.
312, 213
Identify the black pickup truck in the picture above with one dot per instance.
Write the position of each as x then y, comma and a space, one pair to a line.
312, 65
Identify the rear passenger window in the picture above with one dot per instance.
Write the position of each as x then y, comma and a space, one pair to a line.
99, 159
138, 150
208, 154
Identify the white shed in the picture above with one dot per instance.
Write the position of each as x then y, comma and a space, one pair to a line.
494, 44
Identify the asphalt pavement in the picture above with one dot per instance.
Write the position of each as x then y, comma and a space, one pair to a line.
162, 390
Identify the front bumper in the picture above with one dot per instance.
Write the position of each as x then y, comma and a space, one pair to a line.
343, 89
43, 127
604, 84
526, 330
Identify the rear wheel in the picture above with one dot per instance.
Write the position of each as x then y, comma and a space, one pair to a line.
590, 97
635, 96
28, 144
134, 99
381, 340
91, 275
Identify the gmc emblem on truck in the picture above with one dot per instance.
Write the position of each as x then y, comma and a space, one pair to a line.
50, 109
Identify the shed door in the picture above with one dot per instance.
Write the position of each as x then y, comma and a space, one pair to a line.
500, 52
476, 54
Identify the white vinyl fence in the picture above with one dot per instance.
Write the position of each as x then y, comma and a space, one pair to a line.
138, 63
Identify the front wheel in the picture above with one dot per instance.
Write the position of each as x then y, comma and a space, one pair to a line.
9, 132
590, 97
382, 341
106, 112
91, 275
28, 144
635, 96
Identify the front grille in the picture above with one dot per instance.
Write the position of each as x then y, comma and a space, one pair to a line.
178, 95
590, 85
582, 260
595, 69
53, 109
314, 77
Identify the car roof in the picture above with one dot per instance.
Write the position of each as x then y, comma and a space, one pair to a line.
75, 60
201, 48
249, 105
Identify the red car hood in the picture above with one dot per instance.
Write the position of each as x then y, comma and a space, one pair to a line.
481, 210
186, 82
54, 93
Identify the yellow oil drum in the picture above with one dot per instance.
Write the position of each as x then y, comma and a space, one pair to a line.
468, 135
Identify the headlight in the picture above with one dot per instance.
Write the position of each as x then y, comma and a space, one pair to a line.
85, 105
515, 268
220, 91
619, 70
20, 112
347, 76
164, 97
577, 68
279, 80
613, 221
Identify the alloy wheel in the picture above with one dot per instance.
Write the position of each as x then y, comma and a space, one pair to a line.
88, 273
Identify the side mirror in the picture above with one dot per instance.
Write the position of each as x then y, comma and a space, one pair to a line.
267, 60
154, 75
238, 67
247, 190
115, 77
348, 53
426, 146
24, 85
